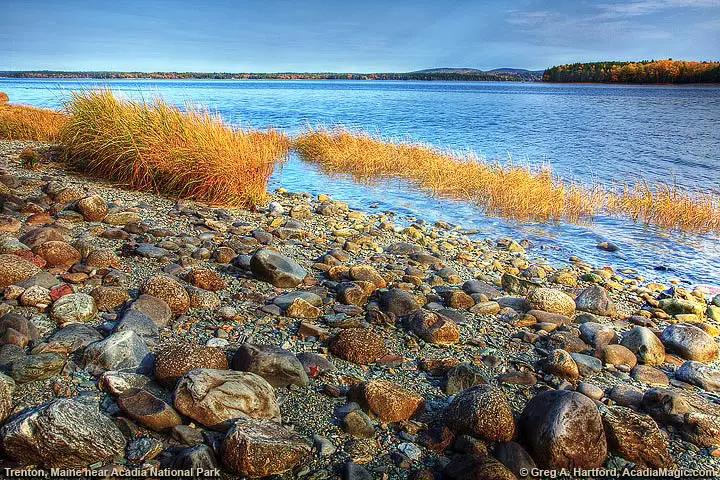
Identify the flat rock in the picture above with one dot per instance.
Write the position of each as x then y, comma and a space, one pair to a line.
74, 337
149, 410
7, 388
168, 290
155, 308
32, 368
398, 302
694, 417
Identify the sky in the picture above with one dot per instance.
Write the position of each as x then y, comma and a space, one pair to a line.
349, 36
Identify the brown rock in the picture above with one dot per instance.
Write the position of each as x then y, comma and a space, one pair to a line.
358, 345
14, 269
635, 437
388, 401
103, 259
458, 299
300, 308
92, 208
144, 407
694, 417
170, 290
368, 274
206, 279
58, 254
563, 429
174, 361
107, 299
260, 448
618, 355
550, 300
481, 411
561, 364
38, 236
435, 328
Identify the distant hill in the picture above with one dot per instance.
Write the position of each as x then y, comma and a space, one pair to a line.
449, 70
646, 71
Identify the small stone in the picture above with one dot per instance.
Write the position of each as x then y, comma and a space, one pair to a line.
147, 409
158, 310
32, 368
561, 364
626, 395
206, 279
107, 299
595, 299
649, 375
92, 208
279, 367
277, 269
398, 302
462, 377
435, 328
7, 388
58, 254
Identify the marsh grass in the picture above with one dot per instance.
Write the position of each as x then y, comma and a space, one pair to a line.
18, 122
4, 98
509, 191
156, 146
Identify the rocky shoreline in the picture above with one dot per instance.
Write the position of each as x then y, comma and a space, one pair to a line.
307, 340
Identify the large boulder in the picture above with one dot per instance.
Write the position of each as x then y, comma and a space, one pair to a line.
14, 269
169, 290
73, 337
635, 437
550, 300
699, 374
175, 360
17, 330
278, 366
63, 434
277, 269
481, 411
398, 302
595, 299
147, 409
158, 310
690, 342
214, 397
257, 448
563, 429
388, 401
646, 346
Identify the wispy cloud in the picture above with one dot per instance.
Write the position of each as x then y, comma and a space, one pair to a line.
645, 7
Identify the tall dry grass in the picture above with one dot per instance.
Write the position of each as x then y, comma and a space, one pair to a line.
509, 191
156, 146
18, 122
4, 98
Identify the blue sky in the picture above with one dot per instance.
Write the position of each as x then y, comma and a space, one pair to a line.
345, 36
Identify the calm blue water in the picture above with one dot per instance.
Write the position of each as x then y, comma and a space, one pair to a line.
586, 132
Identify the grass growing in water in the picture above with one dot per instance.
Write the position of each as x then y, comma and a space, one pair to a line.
509, 191
156, 146
512, 191
18, 122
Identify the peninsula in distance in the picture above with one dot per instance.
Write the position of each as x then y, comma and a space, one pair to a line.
643, 72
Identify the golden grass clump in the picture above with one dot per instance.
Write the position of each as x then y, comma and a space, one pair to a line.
156, 146
4, 98
509, 191
667, 206
18, 122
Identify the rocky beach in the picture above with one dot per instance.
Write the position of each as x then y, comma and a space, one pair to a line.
306, 340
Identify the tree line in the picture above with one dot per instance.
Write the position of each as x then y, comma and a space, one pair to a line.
648, 71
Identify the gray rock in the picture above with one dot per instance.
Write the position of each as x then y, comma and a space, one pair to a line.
646, 346
198, 457
586, 364
32, 368
285, 300
141, 324
398, 302
61, 433
74, 337
694, 417
690, 342
595, 299
150, 251
514, 457
120, 351
158, 310
277, 269
462, 377
597, 335
279, 367
563, 429
699, 374
73, 308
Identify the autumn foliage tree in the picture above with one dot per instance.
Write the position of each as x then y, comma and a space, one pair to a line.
648, 71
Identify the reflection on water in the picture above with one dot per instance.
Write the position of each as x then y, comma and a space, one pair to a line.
586, 132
